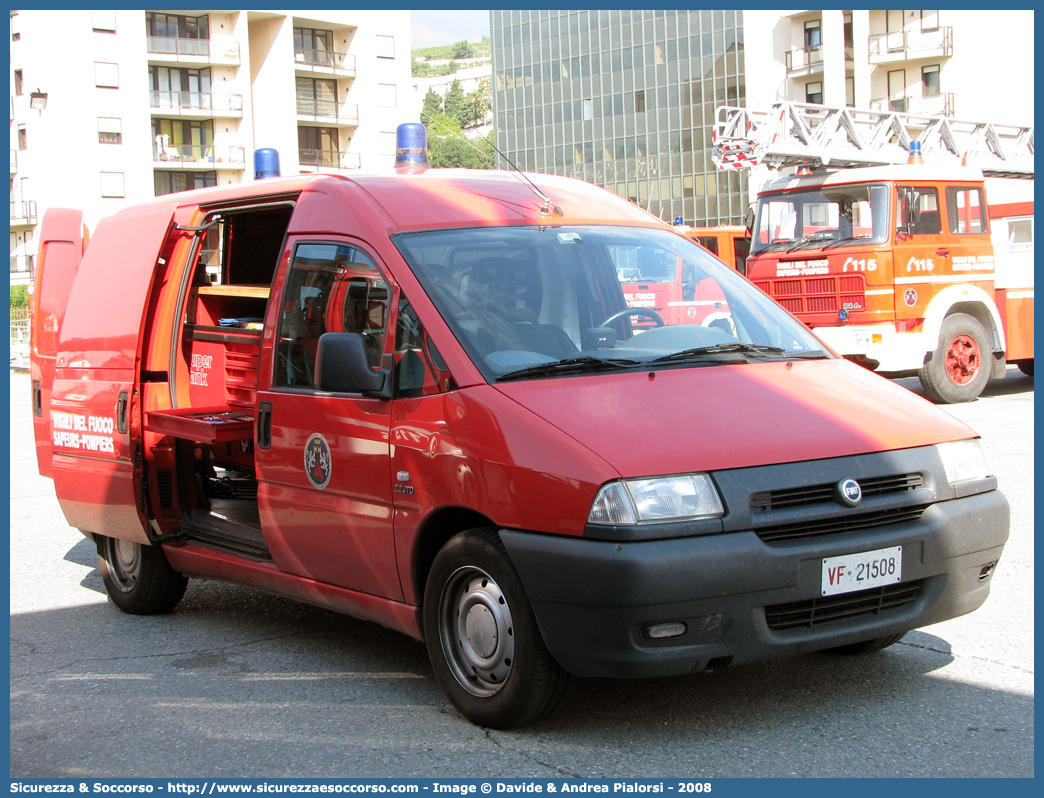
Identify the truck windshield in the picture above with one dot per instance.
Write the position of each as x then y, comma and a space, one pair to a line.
822, 218
530, 302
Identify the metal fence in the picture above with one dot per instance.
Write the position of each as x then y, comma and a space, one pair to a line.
19, 338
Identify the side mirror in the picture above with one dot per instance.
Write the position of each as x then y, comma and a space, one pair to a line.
748, 219
342, 366
911, 213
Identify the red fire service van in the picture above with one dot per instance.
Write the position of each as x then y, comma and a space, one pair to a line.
417, 398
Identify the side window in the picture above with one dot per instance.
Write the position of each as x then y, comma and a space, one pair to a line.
966, 210
329, 288
419, 368
929, 222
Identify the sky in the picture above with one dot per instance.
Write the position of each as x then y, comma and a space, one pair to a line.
431, 28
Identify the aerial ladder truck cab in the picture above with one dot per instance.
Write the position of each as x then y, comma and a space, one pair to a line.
896, 259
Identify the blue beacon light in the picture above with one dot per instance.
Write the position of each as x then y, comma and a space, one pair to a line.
411, 145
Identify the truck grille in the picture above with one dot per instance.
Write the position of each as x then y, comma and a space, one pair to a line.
818, 494
817, 294
840, 525
831, 609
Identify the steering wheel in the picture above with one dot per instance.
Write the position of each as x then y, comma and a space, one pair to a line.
650, 314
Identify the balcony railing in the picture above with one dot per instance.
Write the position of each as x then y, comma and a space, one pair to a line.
329, 159
805, 59
326, 59
328, 109
221, 49
205, 155
927, 104
911, 44
23, 213
196, 101
22, 263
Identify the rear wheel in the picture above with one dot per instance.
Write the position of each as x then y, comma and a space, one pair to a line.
138, 578
959, 368
867, 646
1026, 367
482, 637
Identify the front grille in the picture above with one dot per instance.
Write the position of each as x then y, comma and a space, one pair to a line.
817, 494
817, 294
832, 609
840, 525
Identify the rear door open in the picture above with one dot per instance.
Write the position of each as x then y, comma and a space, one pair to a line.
93, 413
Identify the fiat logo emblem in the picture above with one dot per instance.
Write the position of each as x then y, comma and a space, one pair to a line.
849, 492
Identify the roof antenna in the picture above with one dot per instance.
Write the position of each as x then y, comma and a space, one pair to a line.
548, 205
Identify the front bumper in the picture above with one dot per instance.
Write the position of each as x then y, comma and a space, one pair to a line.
592, 599
881, 343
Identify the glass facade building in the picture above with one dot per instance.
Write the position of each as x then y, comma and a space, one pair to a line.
623, 99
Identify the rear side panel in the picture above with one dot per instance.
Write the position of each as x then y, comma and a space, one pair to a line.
61, 248
94, 416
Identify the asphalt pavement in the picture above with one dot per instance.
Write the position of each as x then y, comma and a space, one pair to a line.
237, 683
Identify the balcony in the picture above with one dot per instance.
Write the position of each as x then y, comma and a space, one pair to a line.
195, 104
324, 62
925, 105
907, 45
23, 214
804, 61
327, 112
222, 50
22, 264
199, 157
14, 160
327, 160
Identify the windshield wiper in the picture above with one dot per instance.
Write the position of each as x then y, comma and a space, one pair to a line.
573, 365
846, 240
815, 238
718, 349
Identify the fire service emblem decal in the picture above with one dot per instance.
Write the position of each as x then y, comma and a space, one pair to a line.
317, 461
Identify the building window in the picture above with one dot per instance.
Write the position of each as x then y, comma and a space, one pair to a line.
386, 95
897, 90
112, 184
814, 92
22, 141
110, 130
966, 210
170, 182
813, 33
173, 87
388, 142
174, 26
16, 32
183, 140
316, 97
587, 110
314, 47
103, 21
929, 20
18, 83
318, 146
930, 84
106, 76
850, 91
639, 101
385, 46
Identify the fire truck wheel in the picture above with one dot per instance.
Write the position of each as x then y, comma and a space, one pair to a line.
865, 647
482, 637
959, 368
138, 578
1026, 367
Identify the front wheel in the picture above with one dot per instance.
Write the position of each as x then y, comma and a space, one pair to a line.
959, 368
138, 578
482, 637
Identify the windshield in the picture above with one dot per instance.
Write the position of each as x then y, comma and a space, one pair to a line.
822, 218
529, 302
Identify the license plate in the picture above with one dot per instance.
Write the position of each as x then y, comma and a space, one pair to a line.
862, 570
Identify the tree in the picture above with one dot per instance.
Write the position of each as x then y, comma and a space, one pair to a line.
463, 50
477, 104
432, 106
455, 102
456, 151
442, 125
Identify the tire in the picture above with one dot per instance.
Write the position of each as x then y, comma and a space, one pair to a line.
868, 646
1026, 367
482, 637
138, 578
959, 368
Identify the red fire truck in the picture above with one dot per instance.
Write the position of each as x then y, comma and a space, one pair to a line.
417, 398
893, 266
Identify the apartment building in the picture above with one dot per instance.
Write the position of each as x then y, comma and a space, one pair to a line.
626, 99
109, 108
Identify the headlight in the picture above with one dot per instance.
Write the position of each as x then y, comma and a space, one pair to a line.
639, 501
963, 461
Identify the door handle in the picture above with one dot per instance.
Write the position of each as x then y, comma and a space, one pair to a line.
264, 425
943, 253
37, 399
121, 412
